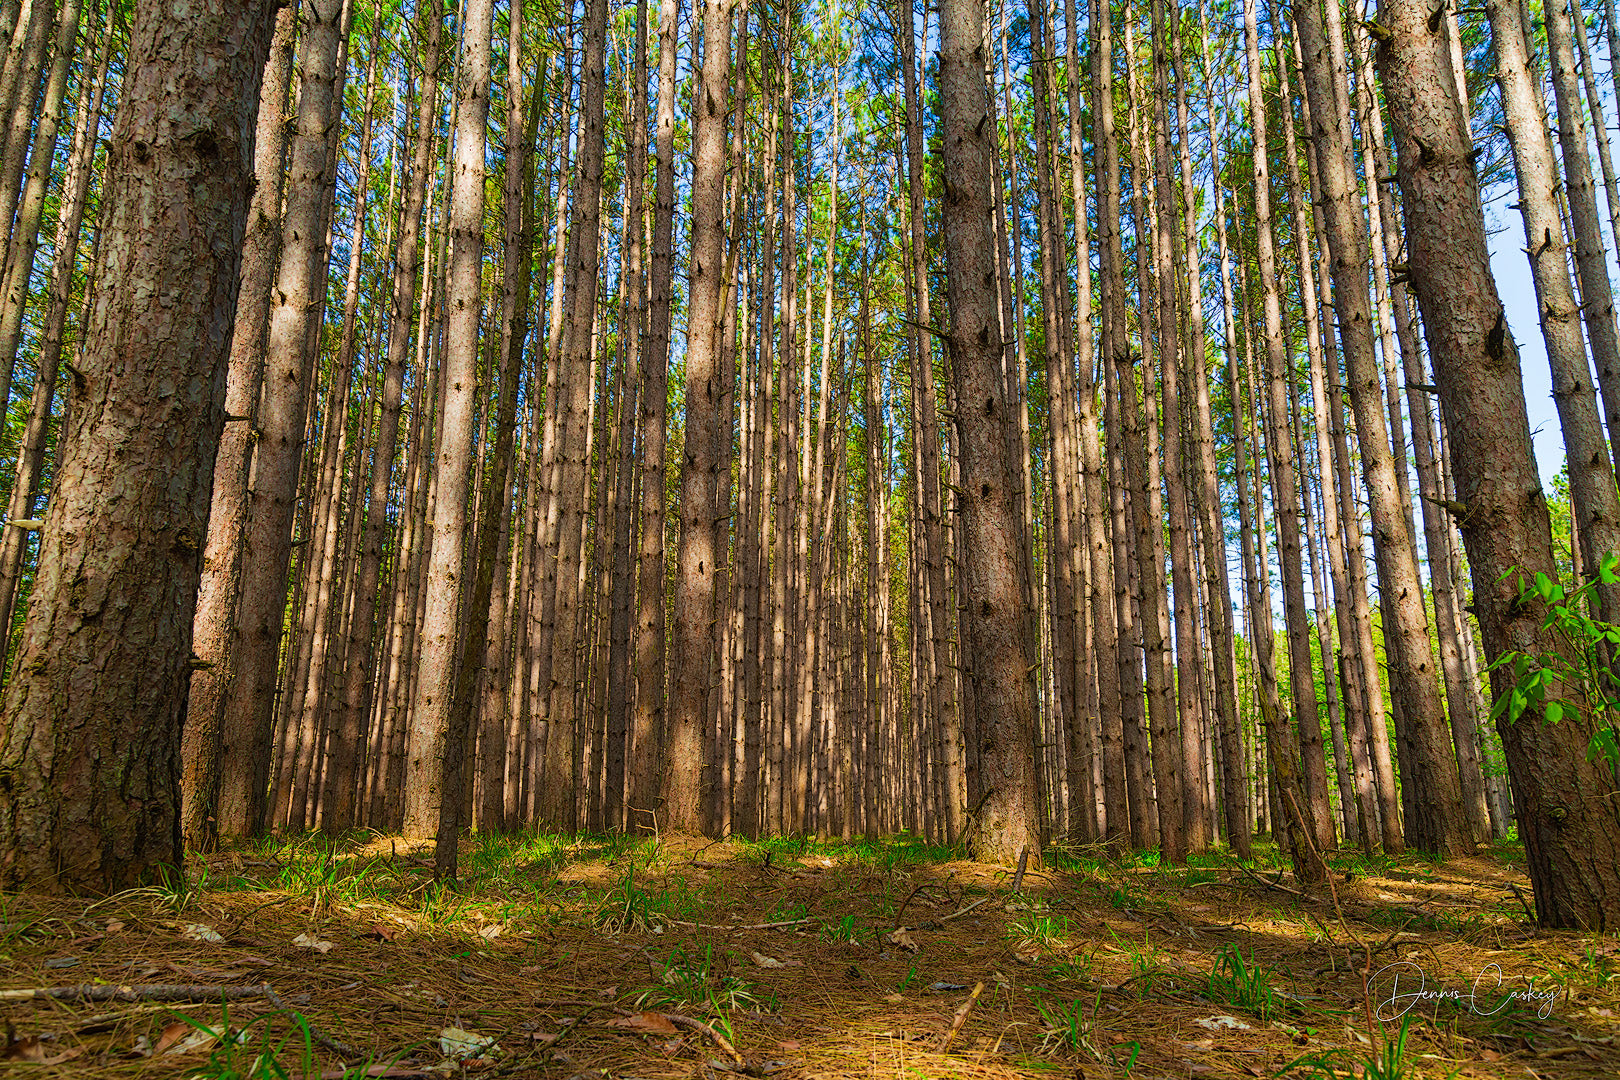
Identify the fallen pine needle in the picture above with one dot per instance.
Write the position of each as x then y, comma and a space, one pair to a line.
170, 992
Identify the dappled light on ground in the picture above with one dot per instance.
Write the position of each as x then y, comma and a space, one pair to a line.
611, 957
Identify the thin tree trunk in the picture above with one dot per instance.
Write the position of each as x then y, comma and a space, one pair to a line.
246, 725
1283, 748
436, 745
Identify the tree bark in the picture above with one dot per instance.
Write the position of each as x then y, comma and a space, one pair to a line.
997, 660
246, 724
1570, 827
436, 746
93, 715
1282, 746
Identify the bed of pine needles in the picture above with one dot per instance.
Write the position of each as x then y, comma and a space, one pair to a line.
584, 957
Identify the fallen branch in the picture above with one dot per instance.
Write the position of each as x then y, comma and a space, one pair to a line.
935, 924
750, 926
140, 992
174, 993
720, 1040
960, 1018
1272, 884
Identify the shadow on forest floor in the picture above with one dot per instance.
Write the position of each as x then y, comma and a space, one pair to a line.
592, 957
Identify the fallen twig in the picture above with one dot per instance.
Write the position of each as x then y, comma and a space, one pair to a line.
677, 1019
174, 993
693, 1024
1271, 884
750, 926
960, 1018
935, 924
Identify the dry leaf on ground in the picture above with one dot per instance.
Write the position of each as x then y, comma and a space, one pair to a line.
32, 1050
310, 941
652, 1023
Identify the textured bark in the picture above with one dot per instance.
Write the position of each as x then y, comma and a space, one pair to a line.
1282, 747
1591, 477
15, 23
246, 724
92, 717
215, 628
436, 746
996, 657
1570, 827
703, 452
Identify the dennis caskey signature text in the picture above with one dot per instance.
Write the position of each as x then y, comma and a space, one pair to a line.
1400, 986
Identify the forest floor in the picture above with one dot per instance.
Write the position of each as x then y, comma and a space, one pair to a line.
582, 957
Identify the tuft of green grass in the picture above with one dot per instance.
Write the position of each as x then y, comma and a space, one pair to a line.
1067, 1027
246, 1054
1244, 984
1038, 927
692, 982
1390, 1058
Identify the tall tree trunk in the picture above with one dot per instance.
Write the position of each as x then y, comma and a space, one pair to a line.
1570, 827
246, 725
650, 677
1591, 263
93, 804
215, 629
1166, 248
65, 247
997, 657
702, 456
436, 745
1212, 518
1283, 748
1439, 824
19, 264
571, 382
358, 685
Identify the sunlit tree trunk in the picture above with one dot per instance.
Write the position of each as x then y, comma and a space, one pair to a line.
436, 747
1282, 746
1570, 827
996, 657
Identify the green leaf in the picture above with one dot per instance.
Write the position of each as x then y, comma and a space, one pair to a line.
1555, 712
1544, 586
